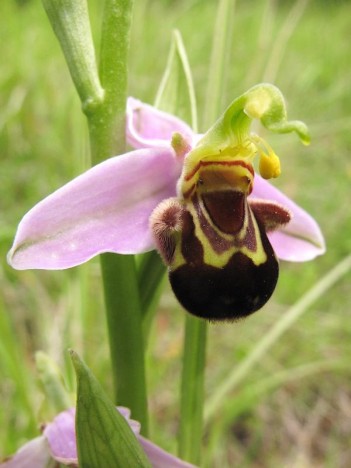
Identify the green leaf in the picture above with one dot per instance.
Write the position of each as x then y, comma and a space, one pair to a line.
176, 93
104, 437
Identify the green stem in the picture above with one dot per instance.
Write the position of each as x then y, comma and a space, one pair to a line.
125, 333
107, 121
107, 137
192, 390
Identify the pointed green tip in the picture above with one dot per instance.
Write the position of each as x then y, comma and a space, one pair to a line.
81, 369
75, 358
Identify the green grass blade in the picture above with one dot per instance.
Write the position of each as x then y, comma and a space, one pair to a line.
262, 347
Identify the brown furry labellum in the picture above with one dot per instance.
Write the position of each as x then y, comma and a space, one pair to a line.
220, 261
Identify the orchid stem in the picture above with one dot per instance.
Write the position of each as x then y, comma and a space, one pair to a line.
125, 333
107, 137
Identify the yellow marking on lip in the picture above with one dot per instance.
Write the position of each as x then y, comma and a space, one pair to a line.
220, 259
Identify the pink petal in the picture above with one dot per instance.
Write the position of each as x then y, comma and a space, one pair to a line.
159, 458
134, 425
301, 239
34, 454
61, 436
148, 127
106, 209
291, 248
62, 442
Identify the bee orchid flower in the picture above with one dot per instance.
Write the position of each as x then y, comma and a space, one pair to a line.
219, 226
57, 444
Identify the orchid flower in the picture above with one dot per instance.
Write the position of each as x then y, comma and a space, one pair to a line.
58, 443
219, 226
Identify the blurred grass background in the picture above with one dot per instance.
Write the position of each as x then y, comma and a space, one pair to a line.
290, 410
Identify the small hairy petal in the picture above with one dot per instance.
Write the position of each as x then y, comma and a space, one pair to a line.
301, 239
165, 221
148, 127
272, 215
106, 209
